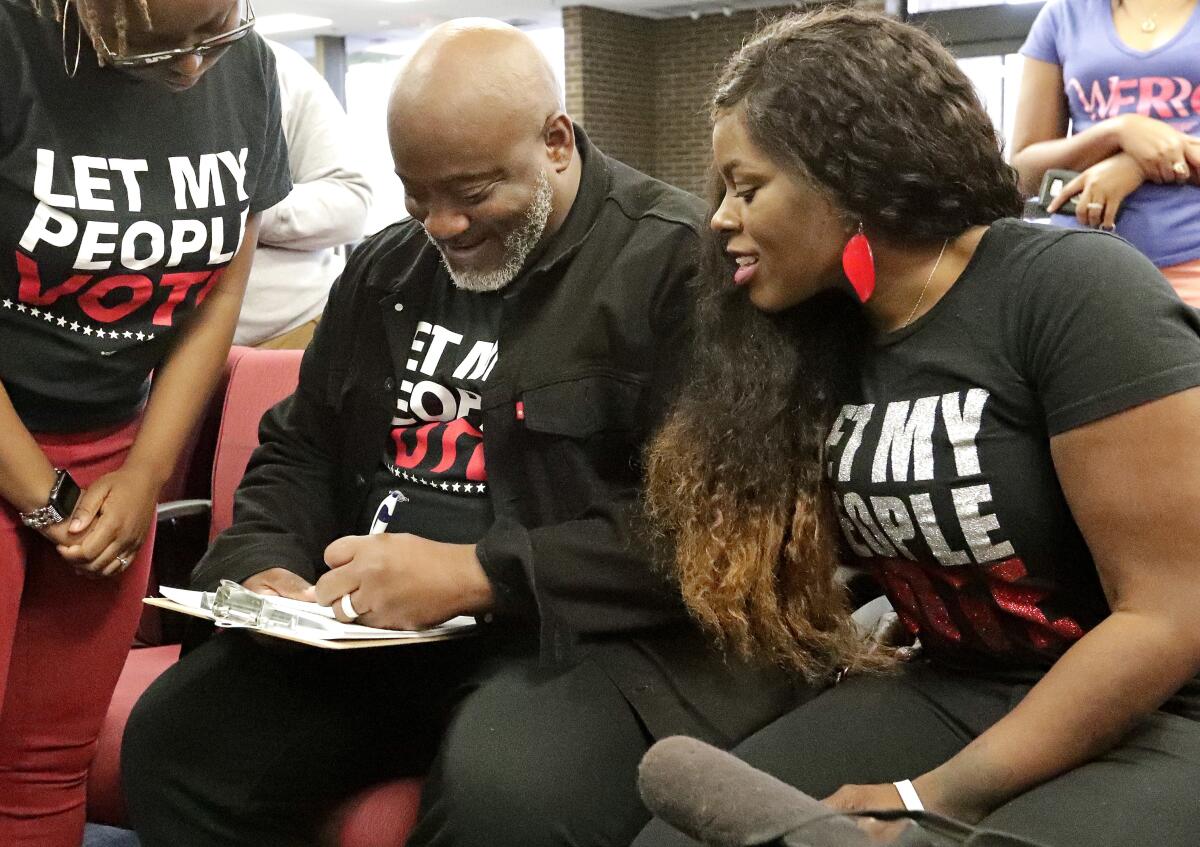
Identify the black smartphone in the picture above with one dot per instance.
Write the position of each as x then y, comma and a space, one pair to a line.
1053, 182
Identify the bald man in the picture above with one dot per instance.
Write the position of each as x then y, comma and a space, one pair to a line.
465, 440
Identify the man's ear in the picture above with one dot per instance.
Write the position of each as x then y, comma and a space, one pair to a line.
559, 136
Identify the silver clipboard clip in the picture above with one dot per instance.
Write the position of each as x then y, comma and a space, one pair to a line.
235, 606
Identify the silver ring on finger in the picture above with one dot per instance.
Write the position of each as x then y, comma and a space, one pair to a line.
1099, 207
124, 561
348, 608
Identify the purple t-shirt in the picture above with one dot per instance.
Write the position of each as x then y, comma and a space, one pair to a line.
1104, 77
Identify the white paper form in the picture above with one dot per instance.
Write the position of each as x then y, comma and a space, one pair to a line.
335, 630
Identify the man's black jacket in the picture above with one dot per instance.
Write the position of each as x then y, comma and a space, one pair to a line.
592, 339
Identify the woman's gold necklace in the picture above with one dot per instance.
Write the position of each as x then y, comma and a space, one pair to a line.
925, 288
1148, 24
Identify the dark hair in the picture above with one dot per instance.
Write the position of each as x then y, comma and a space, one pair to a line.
877, 114
88, 12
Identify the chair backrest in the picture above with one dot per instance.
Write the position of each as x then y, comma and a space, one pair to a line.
257, 381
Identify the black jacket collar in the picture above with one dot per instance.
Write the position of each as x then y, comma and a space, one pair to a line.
595, 181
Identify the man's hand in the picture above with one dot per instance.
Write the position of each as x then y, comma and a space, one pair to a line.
280, 582
400, 581
110, 522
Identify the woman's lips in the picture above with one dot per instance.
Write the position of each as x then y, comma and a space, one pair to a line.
747, 265
181, 83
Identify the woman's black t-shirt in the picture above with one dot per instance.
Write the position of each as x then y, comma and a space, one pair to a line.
941, 464
120, 204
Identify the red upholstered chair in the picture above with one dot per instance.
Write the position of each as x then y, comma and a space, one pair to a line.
381, 816
105, 804
254, 380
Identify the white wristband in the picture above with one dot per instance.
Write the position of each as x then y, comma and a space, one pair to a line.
908, 795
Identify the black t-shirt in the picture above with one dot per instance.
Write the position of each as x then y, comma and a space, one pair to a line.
942, 469
120, 203
433, 480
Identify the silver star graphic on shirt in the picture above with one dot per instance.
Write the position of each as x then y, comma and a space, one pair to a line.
87, 330
456, 487
150, 337
35, 312
141, 336
481, 488
74, 326
62, 321
127, 334
8, 304
46, 316
445, 486
21, 307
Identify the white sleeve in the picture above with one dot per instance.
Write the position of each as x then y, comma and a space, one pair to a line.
329, 202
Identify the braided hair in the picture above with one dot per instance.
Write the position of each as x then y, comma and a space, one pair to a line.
123, 12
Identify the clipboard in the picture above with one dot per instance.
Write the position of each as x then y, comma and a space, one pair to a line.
338, 636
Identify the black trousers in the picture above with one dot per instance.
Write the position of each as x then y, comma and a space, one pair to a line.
250, 743
884, 729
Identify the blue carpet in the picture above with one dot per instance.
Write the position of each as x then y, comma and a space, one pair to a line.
107, 836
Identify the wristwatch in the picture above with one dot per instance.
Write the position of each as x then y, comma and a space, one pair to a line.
58, 508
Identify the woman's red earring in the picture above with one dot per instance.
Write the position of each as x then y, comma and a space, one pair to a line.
859, 265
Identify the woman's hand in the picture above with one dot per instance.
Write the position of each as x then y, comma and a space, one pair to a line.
111, 521
871, 798
1158, 148
59, 534
1100, 190
866, 798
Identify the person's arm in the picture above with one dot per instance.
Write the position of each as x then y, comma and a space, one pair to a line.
285, 508
1131, 482
1040, 140
330, 196
116, 511
26, 475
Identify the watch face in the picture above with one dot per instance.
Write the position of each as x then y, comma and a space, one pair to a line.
65, 497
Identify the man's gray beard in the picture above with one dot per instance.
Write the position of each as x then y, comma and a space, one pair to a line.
518, 244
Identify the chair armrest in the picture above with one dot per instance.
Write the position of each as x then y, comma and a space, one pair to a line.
175, 509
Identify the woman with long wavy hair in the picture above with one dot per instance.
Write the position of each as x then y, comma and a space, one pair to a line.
995, 418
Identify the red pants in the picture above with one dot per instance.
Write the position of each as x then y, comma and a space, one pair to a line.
63, 641
1185, 279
